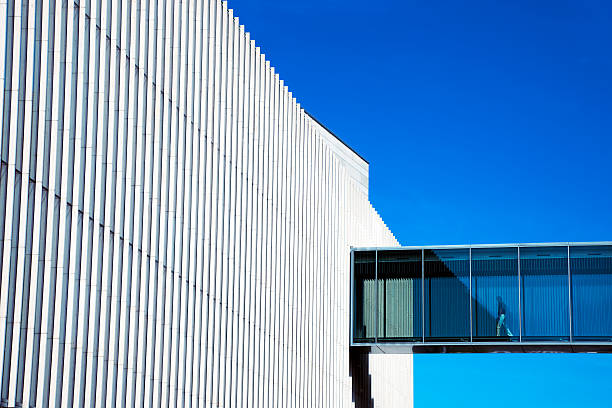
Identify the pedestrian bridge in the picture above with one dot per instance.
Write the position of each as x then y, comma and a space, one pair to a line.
554, 297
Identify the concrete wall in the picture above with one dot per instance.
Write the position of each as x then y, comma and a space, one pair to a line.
175, 228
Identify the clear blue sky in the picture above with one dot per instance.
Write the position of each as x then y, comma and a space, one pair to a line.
483, 122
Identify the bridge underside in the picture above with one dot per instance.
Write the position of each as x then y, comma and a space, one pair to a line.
521, 298
438, 348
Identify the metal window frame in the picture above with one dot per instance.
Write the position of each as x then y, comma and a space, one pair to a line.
352, 300
520, 310
478, 246
569, 296
423, 295
471, 298
376, 297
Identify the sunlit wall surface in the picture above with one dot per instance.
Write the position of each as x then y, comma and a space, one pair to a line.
175, 229
496, 293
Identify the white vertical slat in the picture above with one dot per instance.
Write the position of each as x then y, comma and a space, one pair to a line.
6, 42
212, 193
139, 213
155, 132
77, 275
200, 271
136, 111
10, 220
121, 143
265, 239
185, 380
97, 118
245, 370
167, 241
217, 221
233, 247
89, 66
57, 241
256, 221
237, 361
227, 208
210, 205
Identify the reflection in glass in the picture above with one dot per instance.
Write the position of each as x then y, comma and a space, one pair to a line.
447, 295
495, 294
400, 300
545, 293
365, 296
591, 272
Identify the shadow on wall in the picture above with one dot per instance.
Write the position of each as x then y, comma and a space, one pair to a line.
359, 370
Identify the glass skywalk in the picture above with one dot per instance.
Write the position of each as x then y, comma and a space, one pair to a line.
479, 295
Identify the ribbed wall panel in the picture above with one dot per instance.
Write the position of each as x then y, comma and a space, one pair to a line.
175, 229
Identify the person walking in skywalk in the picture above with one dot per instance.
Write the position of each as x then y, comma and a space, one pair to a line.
501, 318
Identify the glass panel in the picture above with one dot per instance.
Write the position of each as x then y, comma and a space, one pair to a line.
400, 300
591, 270
365, 296
447, 295
545, 293
495, 294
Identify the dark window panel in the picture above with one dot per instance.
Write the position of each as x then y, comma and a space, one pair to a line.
364, 303
447, 295
400, 296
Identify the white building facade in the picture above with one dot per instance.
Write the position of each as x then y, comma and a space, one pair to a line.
175, 228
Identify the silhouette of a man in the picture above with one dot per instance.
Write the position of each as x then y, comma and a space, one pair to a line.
501, 318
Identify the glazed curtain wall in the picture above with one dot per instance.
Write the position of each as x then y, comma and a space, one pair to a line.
175, 230
530, 293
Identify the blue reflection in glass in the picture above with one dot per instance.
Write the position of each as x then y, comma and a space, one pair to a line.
447, 294
545, 293
591, 273
495, 294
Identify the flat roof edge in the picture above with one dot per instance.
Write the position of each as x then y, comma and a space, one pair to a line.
534, 244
